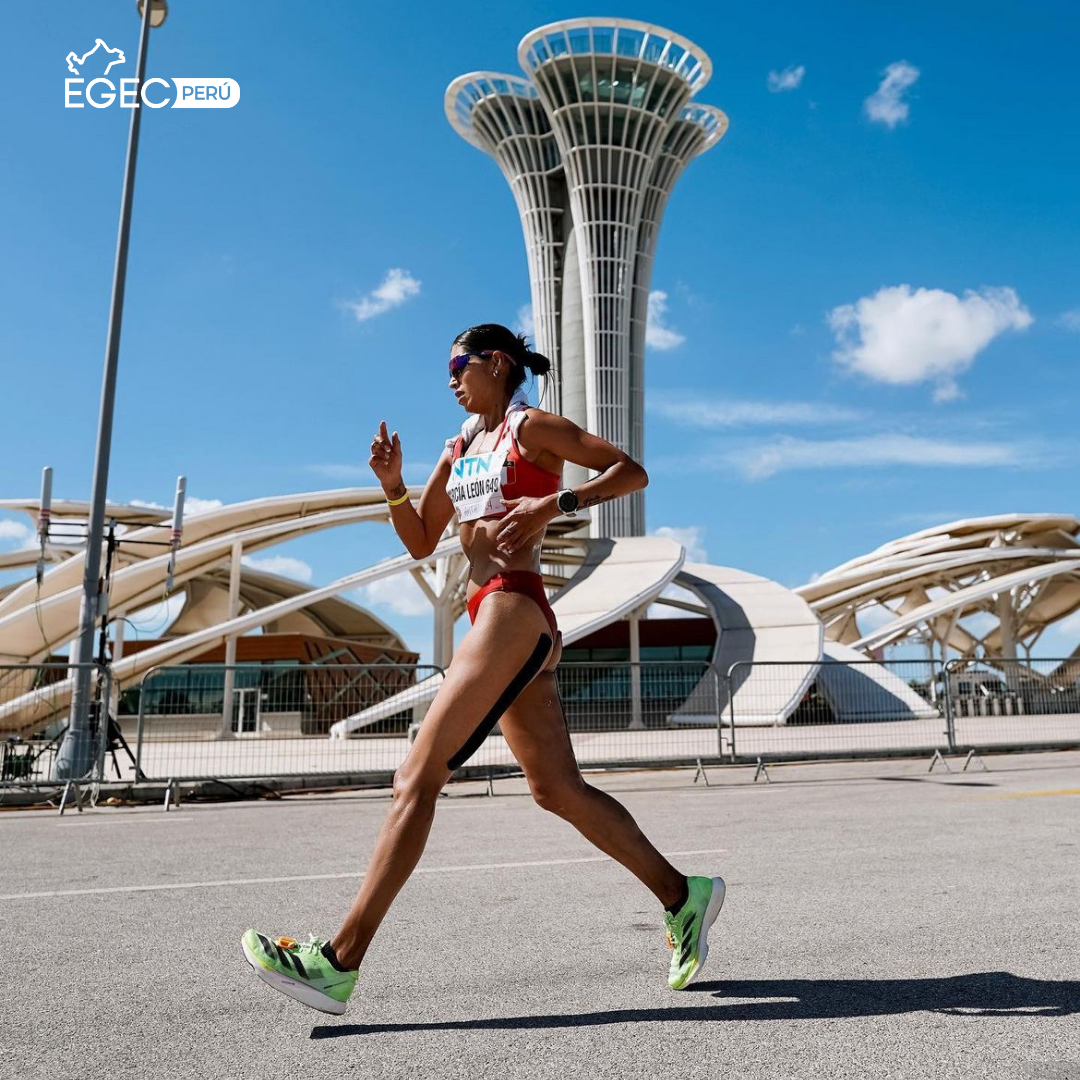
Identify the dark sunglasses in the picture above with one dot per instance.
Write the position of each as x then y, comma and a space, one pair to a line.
460, 362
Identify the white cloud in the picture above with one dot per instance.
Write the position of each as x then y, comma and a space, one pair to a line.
904, 336
1070, 320
400, 594
397, 287
525, 323
788, 79
763, 460
702, 412
886, 104
657, 335
14, 530
285, 565
22, 537
690, 536
192, 505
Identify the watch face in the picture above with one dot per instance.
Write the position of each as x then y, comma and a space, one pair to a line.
568, 502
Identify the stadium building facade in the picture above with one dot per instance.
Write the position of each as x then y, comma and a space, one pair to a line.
591, 142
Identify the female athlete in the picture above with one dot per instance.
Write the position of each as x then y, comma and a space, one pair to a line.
502, 478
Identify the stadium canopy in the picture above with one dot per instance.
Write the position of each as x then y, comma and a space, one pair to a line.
978, 588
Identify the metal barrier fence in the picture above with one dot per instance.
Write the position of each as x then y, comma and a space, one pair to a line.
1004, 703
799, 710
652, 713
203, 721
916, 706
253, 721
249, 721
35, 702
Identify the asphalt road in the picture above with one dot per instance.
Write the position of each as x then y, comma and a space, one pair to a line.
880, 922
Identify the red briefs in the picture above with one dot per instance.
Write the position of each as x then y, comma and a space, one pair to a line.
516, 581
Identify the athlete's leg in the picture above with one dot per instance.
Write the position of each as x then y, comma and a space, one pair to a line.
508, 644
535, 730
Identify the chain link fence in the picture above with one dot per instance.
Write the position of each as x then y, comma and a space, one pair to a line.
355, 722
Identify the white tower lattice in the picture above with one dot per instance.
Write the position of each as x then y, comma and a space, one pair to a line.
603, 129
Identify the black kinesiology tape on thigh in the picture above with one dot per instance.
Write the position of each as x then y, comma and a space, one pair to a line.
522, 679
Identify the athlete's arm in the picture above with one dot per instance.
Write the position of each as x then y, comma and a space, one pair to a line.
419, 527
549, 440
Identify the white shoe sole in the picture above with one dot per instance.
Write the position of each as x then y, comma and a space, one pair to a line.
716, 902
303, 993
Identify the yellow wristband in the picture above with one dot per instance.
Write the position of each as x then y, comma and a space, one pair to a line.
398, 502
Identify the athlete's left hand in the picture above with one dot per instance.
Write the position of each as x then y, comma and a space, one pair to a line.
526, 518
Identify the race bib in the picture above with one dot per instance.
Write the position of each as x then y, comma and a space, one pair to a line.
475, 485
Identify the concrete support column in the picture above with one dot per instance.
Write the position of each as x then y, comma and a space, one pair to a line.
443, 651
230, 642
1007, 622
1006, 614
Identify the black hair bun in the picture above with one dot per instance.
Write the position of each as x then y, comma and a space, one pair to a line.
537, 363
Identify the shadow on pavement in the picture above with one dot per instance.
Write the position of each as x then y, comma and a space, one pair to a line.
989, 993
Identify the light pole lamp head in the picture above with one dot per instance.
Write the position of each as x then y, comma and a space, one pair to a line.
159, 9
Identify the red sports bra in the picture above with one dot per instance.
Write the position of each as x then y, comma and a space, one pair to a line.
521, 477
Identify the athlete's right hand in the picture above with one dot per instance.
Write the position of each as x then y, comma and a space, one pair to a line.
385, 460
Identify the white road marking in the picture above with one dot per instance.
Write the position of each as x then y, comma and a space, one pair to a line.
321, 877
134, 819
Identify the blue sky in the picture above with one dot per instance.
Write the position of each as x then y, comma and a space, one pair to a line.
874, 309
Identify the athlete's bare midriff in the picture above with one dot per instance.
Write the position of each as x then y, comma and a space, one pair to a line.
478, 540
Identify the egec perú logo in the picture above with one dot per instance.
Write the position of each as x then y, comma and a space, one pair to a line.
100, 92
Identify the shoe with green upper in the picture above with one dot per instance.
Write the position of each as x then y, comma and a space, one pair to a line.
299, 970
688, 929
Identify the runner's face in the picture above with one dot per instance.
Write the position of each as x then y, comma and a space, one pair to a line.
472, 383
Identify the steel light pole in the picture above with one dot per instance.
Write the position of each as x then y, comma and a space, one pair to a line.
76, 753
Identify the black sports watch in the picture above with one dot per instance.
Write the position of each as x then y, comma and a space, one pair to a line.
568, 502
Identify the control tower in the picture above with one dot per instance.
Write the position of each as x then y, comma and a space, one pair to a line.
591, 144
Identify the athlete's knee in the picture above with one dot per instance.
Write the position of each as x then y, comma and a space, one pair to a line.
563, 798
412, 786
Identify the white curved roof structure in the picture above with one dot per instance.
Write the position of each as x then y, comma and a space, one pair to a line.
35, 623
617, 577
767, 629
206, 604
1019, 573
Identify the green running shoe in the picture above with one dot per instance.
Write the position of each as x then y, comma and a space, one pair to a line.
687, 932
301, 971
